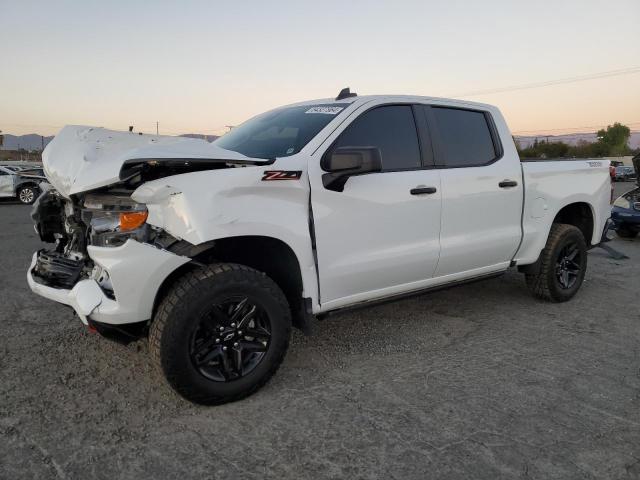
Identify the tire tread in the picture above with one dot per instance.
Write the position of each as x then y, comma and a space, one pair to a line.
538, 283
172, 307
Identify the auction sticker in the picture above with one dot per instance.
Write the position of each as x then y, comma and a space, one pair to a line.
325, 110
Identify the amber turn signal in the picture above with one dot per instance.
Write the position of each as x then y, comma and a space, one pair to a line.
132, 220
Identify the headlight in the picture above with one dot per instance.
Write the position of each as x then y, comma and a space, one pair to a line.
112, 219
622, 202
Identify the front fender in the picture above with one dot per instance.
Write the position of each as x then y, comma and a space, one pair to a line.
208, 205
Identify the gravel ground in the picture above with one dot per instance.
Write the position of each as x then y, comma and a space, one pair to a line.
479, 381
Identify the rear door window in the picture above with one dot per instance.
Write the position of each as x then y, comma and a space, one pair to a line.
465, 137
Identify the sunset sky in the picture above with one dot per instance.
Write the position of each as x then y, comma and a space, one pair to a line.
198, 66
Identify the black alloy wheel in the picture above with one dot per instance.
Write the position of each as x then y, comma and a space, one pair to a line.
231, 339
560, 270
568, 265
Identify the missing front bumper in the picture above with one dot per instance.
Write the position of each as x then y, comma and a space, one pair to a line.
136, 272
84, 297
56, 270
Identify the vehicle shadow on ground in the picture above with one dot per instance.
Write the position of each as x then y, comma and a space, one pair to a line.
482, 376
12, 202
428, 323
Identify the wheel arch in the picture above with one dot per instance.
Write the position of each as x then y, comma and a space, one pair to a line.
269, 255
579, 214
28, 183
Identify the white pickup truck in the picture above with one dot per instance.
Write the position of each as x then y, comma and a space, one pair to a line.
215, 250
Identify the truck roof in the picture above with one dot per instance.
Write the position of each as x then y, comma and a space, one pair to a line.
361, 99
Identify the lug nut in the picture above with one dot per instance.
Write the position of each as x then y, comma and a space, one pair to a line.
224, 348
235, 344
240, 332
233, 325
221, 329
217, 340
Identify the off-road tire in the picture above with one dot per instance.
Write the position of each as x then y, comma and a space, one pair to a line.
544, 284
28, 194
624, 232
177, 317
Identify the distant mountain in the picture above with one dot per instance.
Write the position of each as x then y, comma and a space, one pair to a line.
208, 138
29, 142
571, 139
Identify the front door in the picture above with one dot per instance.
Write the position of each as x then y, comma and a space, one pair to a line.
377, 238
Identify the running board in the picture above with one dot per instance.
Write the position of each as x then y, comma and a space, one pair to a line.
402, 296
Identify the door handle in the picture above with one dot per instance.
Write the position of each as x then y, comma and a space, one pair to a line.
508, 184
423, 190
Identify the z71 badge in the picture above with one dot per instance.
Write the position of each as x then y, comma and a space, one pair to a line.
281, 175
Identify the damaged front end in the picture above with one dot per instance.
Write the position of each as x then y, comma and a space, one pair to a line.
58, 221
105, 259
105, 219
106, 262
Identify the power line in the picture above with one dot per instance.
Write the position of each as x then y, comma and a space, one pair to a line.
548, 83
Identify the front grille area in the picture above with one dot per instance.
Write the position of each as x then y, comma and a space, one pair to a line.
55, 270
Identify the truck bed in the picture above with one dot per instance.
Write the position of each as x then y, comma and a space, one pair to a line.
551, 183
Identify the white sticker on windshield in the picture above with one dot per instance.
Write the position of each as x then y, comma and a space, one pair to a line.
325, 110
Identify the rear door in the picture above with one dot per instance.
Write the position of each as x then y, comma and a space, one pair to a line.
376, 238
482, 192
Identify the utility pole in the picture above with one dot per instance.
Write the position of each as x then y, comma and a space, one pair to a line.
42, 143
157, 128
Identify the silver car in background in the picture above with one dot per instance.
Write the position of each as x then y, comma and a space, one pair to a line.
21, 182
624, 174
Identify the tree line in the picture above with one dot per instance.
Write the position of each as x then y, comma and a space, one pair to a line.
612, 142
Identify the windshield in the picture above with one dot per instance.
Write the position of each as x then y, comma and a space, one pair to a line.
281, 132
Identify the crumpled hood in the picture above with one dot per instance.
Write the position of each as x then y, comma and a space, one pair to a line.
82, 158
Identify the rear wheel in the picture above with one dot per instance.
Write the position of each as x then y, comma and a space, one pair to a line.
220, 333
28, 194
563, 264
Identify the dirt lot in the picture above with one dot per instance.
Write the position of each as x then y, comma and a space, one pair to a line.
480, 381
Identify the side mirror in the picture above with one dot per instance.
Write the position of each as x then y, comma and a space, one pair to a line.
345, 162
